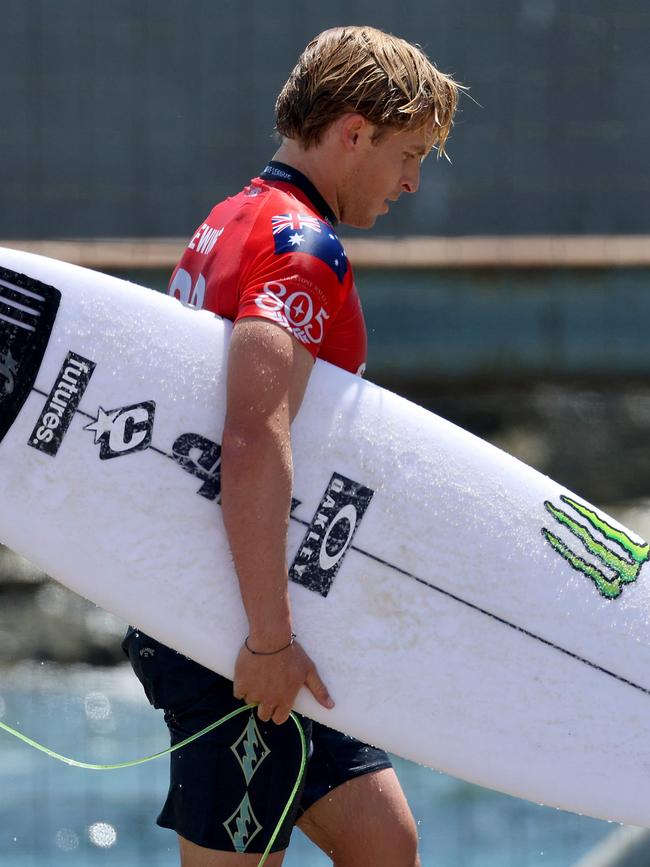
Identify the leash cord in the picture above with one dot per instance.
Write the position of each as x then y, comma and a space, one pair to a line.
89, 766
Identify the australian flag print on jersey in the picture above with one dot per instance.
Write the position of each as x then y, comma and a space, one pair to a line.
299, 233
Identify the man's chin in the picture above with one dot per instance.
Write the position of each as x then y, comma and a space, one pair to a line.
366, 222
359, 220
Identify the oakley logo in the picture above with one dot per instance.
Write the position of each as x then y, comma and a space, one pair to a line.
330, 534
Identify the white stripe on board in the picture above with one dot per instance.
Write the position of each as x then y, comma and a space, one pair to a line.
22, 291
15, 322
18, 306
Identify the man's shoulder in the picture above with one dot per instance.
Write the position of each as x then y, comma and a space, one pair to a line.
294, 226
278, 199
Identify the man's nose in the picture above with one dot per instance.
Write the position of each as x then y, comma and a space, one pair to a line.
411, 181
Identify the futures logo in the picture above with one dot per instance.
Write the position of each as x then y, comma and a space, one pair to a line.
61, 404
123, 430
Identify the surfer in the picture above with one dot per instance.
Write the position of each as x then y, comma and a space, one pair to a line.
357, 116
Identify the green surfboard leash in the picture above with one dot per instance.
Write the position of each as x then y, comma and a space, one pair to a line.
89, 766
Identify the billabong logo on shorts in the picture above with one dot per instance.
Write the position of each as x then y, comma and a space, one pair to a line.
250, 751
61, 404
242, 826
619, 570
330, 534
123, 430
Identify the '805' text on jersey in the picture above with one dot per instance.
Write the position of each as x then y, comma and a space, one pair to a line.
271, 252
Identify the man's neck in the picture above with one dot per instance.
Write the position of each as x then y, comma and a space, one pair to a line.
314, 165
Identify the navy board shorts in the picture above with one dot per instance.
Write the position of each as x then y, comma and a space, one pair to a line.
228, 788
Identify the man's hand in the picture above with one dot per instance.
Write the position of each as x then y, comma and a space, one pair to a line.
272, 681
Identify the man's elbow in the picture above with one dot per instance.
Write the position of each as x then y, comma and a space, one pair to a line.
243, 444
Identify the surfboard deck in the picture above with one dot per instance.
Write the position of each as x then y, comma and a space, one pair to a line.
465, 611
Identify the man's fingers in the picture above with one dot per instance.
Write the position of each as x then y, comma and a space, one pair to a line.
239, 691
265, 712
318, 689
281, 714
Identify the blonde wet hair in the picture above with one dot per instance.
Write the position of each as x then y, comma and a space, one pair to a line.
387, 80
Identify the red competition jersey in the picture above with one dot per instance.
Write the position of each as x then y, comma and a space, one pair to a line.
271, 252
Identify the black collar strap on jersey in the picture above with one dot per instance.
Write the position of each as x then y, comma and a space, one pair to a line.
276, 171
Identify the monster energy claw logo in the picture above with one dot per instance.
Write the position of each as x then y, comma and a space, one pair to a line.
622, 570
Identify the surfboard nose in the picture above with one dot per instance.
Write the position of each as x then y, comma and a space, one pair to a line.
28, 310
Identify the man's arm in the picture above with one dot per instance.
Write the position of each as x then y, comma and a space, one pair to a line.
268, 372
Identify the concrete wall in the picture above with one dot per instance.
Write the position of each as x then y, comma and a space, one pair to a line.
130, 118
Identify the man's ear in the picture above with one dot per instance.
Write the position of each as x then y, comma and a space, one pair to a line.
353, 128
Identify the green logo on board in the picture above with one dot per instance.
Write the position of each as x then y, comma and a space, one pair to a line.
623, 570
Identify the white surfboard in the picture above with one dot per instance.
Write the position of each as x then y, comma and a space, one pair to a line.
465, 611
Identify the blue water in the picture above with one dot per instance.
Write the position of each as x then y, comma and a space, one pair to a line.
53, 815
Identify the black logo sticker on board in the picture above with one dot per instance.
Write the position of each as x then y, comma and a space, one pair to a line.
330, 534
28, 309
61, 404
8, 370
202, 458
123, 430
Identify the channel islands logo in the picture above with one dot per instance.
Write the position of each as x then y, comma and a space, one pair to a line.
621, 569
